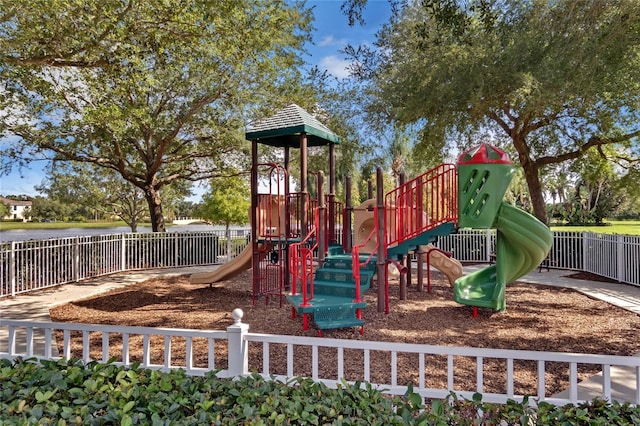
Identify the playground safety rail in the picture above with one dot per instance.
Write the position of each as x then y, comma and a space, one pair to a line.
379, 363
301, 264
422, 203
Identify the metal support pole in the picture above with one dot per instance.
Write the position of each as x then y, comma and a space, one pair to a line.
420, 266
332, 194
304, 195
347, 242
403, 260
381, 260
322, 224
255, 256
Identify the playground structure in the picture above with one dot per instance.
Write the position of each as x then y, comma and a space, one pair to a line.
302, 249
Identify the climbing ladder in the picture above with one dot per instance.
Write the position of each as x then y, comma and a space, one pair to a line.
334, 302
415, 214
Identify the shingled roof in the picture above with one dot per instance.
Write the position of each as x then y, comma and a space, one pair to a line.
284, 129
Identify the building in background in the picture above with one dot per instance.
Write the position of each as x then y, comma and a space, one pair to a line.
18, 210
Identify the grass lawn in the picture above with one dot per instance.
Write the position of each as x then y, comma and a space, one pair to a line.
5, 226
626, 227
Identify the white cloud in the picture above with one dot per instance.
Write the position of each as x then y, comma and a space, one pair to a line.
331, 41
335, 66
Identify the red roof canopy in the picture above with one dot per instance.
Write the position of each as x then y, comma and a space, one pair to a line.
484, 153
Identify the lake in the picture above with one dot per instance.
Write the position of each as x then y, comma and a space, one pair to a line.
43, 234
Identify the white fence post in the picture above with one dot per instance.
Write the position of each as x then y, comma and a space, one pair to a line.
176, 250
123, 253
620, 270
238, 354
13, 268
488, 245
585, 252
76, 259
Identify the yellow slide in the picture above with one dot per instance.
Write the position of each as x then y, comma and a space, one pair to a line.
235, 266
449, 266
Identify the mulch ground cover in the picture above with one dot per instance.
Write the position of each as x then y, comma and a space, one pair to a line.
538, 318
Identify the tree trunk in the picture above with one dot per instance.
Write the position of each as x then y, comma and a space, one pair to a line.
152, 196
532, 176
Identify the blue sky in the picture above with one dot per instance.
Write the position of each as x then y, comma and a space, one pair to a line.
332, 33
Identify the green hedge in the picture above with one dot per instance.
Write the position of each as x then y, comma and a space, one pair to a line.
70, 392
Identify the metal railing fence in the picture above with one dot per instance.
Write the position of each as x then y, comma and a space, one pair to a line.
36, 264
609, 255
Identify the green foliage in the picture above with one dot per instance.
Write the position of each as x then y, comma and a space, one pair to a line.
157, 91
596, 412
553, 79
4, 210
227, 202
67, 392
629, 185
93, 192
44, 208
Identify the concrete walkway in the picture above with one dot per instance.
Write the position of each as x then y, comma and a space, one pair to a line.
35, 307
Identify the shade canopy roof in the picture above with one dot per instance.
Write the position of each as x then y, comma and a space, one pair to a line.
285, 127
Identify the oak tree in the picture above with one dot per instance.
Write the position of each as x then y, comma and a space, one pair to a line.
556, 79
157, 91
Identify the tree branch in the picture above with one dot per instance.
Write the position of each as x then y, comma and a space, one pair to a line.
594, 141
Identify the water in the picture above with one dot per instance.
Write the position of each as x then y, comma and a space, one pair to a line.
43, 234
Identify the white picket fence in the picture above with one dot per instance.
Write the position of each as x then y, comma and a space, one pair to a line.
33, 265
236, 351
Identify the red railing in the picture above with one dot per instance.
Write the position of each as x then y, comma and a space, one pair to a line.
333, 217
421, 204
301, 264
355, 259
294, 223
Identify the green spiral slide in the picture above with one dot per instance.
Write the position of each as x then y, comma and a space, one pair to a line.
522, 241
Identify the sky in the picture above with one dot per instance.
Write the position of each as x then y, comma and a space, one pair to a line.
332, 33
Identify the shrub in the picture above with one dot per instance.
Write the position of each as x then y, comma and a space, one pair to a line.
68, 392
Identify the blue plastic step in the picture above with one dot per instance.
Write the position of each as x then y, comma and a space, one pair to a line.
335, 250
343, 275
344, 261
331, 317
334, 288
332, 274
322, 301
